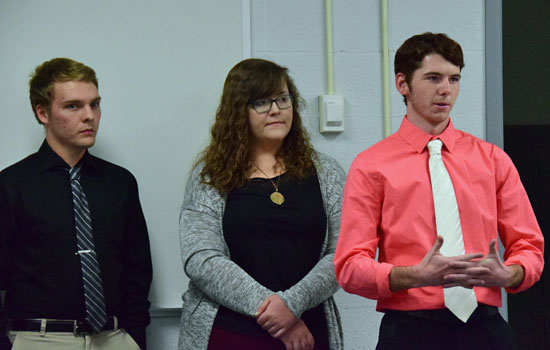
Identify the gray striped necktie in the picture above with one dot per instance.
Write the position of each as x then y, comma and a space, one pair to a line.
461, 301
93, 289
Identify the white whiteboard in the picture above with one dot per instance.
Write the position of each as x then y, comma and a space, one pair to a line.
160, 66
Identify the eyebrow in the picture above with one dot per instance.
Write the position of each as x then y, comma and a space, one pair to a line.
439, 73
280, 93
68, 102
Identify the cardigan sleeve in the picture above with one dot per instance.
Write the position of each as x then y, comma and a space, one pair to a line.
205, 254
320, 282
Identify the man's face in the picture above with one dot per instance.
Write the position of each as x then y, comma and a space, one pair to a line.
431, 93
72, 119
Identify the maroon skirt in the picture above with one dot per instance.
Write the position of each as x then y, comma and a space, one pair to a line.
221, 339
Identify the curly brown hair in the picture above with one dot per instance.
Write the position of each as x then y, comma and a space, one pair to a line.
227, 159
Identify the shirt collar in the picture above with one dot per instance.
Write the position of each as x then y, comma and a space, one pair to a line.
418, 139
48, 159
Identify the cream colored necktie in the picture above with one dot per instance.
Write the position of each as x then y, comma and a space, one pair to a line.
461, 301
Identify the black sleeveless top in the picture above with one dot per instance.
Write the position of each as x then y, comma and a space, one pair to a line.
277, 245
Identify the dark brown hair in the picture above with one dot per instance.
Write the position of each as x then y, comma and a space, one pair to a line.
410, 54
226, 160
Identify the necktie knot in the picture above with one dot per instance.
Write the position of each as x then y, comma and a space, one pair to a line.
434, 146
74, 172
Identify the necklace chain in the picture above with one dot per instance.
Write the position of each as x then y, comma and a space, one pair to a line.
267, 176
276, 197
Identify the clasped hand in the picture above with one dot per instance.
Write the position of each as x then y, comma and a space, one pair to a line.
466, 270
274, 316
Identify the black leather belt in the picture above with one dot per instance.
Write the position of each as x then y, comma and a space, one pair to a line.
69, 326
444, 315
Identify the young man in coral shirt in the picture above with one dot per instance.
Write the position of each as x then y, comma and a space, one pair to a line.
389, 206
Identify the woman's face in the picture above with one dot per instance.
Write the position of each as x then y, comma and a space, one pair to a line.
272, 125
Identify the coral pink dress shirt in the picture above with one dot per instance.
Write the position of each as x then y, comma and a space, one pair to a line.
388, 205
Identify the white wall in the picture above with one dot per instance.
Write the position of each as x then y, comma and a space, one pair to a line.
297, 40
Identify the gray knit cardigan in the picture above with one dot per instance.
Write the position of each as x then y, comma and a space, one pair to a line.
215, 279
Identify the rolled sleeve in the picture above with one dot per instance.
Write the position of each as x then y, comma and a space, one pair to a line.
518, 227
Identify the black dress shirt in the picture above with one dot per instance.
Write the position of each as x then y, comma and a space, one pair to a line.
38, 266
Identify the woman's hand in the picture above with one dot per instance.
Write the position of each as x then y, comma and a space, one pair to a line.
275, 317
298, 337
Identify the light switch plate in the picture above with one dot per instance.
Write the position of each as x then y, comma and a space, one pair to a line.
331, 113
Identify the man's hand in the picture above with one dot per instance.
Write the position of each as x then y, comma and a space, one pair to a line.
275, 317
438, 270
496, 274
298, 337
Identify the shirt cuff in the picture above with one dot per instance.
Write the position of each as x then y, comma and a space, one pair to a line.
383, 280
527, 281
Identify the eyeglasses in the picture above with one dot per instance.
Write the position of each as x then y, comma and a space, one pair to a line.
264, 105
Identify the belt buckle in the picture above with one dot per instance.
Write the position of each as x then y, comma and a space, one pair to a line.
77, 325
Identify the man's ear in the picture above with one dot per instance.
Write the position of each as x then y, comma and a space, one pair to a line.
42, 114
401, 84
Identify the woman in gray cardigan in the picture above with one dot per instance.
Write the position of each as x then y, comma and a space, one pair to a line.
259, 224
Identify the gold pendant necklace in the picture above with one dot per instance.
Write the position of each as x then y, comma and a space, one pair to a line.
276, 196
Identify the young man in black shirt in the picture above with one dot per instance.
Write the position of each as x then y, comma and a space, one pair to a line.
75, 262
